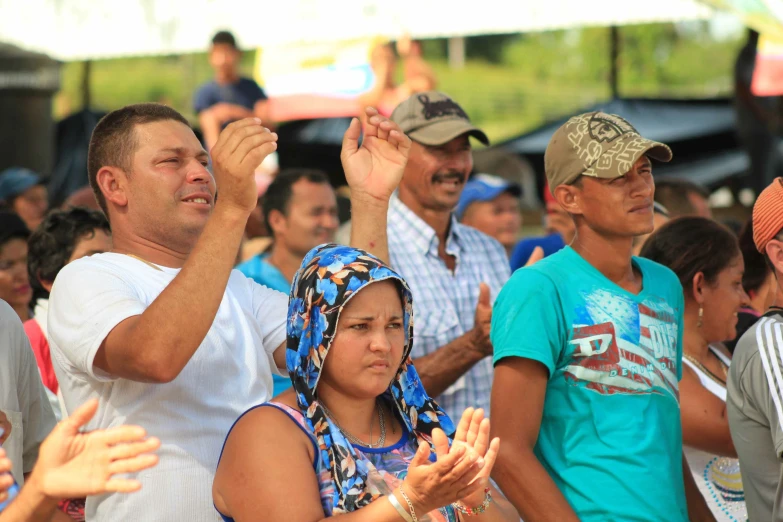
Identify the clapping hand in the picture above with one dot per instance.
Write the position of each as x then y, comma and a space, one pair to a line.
6, 479
73, 464
473, 435
374, 169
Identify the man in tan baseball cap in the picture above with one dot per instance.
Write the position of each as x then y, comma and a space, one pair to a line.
589, 338
454, 270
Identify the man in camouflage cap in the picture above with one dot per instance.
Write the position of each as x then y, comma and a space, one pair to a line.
588, 345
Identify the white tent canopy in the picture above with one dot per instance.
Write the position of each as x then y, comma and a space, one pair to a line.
94, 29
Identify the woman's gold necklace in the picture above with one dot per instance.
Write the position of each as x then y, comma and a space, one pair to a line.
707, 371
355, 440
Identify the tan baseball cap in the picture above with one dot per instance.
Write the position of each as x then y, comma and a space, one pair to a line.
597, 144
432, 118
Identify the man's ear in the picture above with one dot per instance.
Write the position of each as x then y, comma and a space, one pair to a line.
113, 184
569, 197
277, 221
774, 251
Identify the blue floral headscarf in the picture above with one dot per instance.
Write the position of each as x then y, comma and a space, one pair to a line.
329, 276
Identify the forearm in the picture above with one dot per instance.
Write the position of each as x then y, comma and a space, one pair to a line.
30, 506
172, 328
444, 366
530, 488
368, 226
210, 128
698, 511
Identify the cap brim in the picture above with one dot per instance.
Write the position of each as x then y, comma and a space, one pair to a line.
620, 159
444, 131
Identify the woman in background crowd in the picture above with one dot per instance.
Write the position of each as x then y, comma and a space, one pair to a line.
15, 286
707, 260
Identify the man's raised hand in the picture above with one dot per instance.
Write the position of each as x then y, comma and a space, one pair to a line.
240, 149
374, 169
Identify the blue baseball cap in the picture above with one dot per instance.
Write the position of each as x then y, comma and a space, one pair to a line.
485, 187
15, 180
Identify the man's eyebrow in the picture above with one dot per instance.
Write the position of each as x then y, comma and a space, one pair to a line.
182, 151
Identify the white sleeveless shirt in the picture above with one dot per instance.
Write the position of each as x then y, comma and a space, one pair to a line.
718, 478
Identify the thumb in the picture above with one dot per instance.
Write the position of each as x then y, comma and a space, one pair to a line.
422, 455
82, 415
351, 138
536, 256
484, 295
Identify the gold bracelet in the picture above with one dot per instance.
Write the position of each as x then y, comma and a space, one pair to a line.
410, 505
401, 510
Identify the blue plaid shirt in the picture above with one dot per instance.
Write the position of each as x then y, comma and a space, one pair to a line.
445, 301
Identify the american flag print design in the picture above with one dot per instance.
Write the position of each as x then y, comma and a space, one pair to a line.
623, 347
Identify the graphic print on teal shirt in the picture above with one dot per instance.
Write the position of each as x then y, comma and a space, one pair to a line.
610, 434
264, 273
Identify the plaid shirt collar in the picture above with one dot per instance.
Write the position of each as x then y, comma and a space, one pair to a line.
418, 233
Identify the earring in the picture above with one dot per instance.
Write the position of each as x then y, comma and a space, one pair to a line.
701, 317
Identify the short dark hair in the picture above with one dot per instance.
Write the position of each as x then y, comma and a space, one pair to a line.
691, 244
278, 194
757, 269
12, 227
53, 242
113, 141
224, 37
673, 194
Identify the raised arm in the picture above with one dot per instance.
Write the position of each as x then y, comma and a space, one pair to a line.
156, 345
373, 172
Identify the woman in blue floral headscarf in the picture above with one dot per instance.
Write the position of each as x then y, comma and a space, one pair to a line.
357, 434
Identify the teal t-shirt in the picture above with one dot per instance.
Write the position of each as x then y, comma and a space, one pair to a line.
610, 433
264, 273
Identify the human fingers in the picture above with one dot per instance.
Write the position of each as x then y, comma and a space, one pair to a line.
383, 125
482, 440
230, 138
490, 457
132, 465
475, 423
351, 138
122, 486
119, 434
464, 425
6, 480
441, 443
254, 141
82, 415
126, 451
370, 128
5, 465
401, 141
422, 455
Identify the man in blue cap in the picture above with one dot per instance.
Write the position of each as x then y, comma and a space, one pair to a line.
23, 191
491, 204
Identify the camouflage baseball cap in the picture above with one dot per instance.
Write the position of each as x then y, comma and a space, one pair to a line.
432, 118
599, 145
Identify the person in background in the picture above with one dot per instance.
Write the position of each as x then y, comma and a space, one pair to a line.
75, 463
683, 198
559, 229
587, 349
22, 397
229, 96
349, 334
84, 198
759, 283
63, 237
490, 204
706, 257
23, 191
453, 270
660, 218
300, 209
755, 387
15, 286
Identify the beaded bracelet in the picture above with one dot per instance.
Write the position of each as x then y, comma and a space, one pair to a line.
467, 511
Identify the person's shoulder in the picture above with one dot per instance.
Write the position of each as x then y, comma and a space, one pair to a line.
481, 242
206, 88
661, 274
762, 332
89, 266
9, 320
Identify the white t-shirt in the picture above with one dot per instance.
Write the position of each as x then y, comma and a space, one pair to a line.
230, 372
22, 395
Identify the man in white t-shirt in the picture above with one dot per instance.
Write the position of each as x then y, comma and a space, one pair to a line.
161, 329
